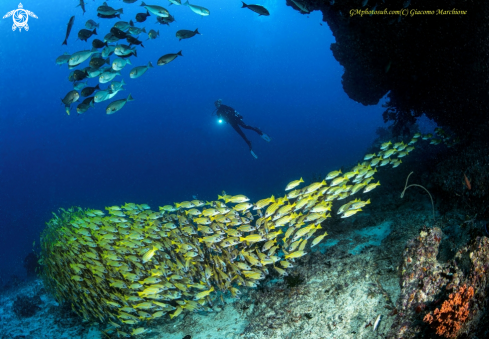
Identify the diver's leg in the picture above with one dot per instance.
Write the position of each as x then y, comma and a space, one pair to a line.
240, 132
257, 130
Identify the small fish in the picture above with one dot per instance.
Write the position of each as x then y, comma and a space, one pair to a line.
153, 34
293, 184
82, 5
165, 21
156, 10
333, 174
257, 9
198, 9
134, 41
141, 17
78, 75
119, 64
467, 182
79, 85
186, 34
129, 1
136, 72
167, 58
117, 105
70, 98
138, 331
133, 30
102, 95
87, 91
79, 57
96, 43
109, 37
109, 16
118, 33
96, 63
122, 25
83, 107
371, 187
124, 50
175, 2
68, 29
63, 59
107, 51
108, 76
90, 24
109, 11
148, 255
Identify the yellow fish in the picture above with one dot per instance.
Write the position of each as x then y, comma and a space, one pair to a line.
293, 184
296, 254
333, 174
148, 255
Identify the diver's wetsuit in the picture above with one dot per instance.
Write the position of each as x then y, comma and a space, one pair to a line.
235, 119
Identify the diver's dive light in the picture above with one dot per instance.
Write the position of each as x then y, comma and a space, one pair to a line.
220, 121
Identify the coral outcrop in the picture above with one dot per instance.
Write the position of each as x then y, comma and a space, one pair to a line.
433, 63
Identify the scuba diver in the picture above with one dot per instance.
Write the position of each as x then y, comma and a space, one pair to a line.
232, 117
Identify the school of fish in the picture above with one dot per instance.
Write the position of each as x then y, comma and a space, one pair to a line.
128, 264
99, 64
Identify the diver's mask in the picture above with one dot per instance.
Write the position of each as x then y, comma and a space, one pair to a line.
217, 103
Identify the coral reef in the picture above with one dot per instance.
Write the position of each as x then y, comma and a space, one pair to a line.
441, 73
448, 320
425, 283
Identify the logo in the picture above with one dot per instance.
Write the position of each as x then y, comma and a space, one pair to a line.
20, 17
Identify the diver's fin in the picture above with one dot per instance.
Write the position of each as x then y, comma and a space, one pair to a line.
266, 137
253, 154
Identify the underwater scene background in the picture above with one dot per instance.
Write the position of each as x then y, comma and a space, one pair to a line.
381, 115
166, 146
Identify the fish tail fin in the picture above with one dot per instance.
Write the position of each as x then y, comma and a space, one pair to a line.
121, 11
197, 31
244, 5
179, 53
131, 23
107, 61
65, 42
129, 98
186, 3
94, 31
147, 12
122, 82
142, 3
97, 87
118, 15
142, 44
144, 30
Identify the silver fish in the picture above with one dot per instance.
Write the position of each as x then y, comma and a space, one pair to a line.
117, 105
136, 72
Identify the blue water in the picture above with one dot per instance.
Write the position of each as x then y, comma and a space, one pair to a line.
166, 146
